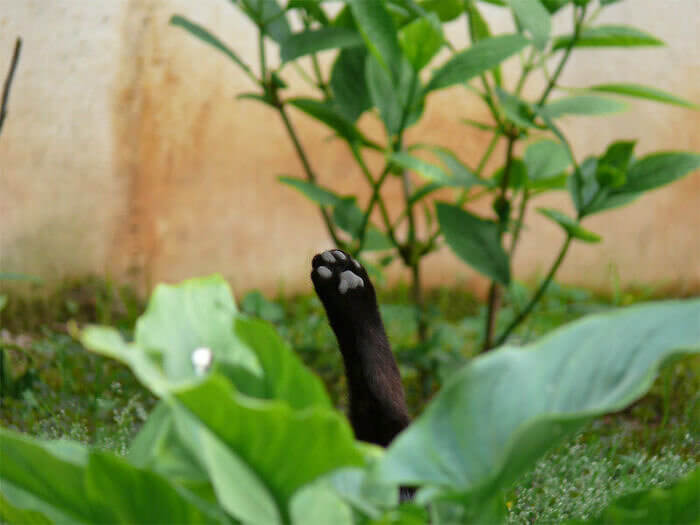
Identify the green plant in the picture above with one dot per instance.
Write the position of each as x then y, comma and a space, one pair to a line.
244, 433
383, 50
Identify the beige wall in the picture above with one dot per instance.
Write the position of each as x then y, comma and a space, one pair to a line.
125, 152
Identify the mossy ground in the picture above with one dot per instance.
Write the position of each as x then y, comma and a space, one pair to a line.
53, 388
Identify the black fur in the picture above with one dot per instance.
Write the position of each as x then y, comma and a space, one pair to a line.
377, 402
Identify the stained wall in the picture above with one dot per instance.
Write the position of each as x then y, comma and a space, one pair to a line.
126, 153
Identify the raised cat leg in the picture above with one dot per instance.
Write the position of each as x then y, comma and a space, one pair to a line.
377, 402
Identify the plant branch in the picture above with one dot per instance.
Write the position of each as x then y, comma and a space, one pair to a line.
310, 175
538, 294
493, 297
8, 81
578, 23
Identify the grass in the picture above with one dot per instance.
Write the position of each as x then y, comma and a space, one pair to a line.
53, 388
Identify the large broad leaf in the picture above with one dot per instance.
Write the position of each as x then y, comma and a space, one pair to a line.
197, 313
447, 10
285, 376
315, 40
607, 36
533, 18
284, 448
668, 506
571, 226
377, 28
205, 36
474, 240
502, 411
313, 191
583, 105
644, 92
479, 58
421, 40
67, 483
350, 95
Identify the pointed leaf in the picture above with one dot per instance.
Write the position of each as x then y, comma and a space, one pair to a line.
583, 105
474, 240
545, 159
571, 226
645, 92
313, 191
350, 95
533, 18
421, 40
659, 169
315, 40
330, 117
205, 36
479, 58
607, 36
377, 28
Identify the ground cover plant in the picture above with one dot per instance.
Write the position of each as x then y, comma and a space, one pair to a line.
385, 64
198, 466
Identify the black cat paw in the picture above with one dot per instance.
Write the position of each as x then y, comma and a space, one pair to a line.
340, 281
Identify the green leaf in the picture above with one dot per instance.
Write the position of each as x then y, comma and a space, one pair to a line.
312, 190
421, 40
501, 412
193, 314
474, 240
546, 159
376, 241
179, 319
205, 36
583, 105
350, 94
517, 177
554, 5
315, 40
478, 26
270, 17
645, 92
609, 36
661, 506
285, 376
255, 304
391, 100
318, 504
479, 58
285, 448
447, 10
533, 18
312, 7
330, 117
659, 169
517, 110
348, 216
377, 28
459, 176
571, 226
67, 483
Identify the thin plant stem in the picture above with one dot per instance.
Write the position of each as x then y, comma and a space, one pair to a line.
8, 81
310, 175
538, 294
519, 224
493, 298
578, 23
